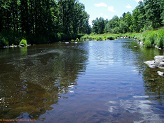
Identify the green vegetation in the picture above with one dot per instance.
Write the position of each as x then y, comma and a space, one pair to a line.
48, 21
41, 21
99, 37
150, 38
23, 42
143, 23
148, 15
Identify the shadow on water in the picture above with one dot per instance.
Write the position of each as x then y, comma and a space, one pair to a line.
32, 79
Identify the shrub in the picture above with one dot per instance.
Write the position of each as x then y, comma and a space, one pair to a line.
23, 42
111, 38
4, 42
99, 38
77, 40
72, 40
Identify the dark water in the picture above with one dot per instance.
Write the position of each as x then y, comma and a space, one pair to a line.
90, 82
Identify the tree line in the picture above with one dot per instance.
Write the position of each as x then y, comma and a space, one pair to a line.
149, 14
41, 21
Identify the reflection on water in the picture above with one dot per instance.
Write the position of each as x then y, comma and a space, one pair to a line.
31, 79
153, 83
90, 82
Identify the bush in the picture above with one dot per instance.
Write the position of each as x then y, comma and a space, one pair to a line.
77, 40
111, 38
4, 42
23, 42
99, 39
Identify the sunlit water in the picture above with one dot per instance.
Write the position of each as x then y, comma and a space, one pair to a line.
90, 82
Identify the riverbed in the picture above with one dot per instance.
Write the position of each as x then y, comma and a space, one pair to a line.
87, 82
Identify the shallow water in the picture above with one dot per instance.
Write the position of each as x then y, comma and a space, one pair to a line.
90, 82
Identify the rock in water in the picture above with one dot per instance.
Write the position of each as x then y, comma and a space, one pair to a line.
160, 73
157, 62
151, 64
161, 65
159, 58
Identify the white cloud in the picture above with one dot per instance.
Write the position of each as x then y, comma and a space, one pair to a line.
111, 9
101, 5
128, 6
138, 0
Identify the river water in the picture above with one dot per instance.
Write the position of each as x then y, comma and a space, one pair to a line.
89, 82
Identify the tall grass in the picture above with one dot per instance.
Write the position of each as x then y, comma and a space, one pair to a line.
150, 38
100, 37
154, 37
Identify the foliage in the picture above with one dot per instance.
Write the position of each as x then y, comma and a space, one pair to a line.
147, 43
100, 37
150, 38
42, 21
23, 42
148, 15
99, 25
3, 42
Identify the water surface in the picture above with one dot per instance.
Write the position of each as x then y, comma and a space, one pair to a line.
90, 82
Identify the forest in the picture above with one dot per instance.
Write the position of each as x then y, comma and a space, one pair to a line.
148, 15
48, 21
41, 21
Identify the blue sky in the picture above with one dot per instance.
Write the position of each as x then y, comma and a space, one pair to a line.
108, 8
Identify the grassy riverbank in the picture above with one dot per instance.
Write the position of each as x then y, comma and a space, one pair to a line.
150, 38
99, 37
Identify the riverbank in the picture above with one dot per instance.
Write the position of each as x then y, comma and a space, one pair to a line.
14, 40
99, 37
149, 39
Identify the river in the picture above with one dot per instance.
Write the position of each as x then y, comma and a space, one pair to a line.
88, 82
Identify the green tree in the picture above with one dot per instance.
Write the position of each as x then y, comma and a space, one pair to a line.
66, 10
153, 13
80, 19
113, 25
162, 10
135, 20
128, 21
24, 16
98, 25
